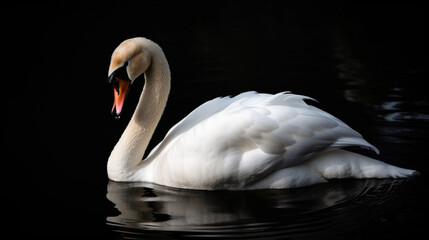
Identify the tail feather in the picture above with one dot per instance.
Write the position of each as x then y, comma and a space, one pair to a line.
353, 141
340, 163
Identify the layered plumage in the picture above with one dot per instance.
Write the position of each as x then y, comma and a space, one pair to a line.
250, 141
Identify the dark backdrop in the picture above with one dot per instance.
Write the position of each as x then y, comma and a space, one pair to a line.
57, 103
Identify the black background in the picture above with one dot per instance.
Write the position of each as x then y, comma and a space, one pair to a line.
57, 103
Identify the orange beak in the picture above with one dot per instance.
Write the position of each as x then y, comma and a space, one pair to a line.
120, 91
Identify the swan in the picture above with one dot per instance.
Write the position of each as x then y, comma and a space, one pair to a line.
250, 141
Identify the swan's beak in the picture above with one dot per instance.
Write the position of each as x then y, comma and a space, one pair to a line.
120, 91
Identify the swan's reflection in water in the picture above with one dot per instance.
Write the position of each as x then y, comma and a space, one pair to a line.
342, 206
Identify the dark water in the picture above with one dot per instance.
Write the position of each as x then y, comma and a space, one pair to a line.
348, 208
365, 64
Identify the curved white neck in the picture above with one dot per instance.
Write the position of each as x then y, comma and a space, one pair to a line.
128, 152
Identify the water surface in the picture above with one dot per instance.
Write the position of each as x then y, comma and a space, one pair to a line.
347, 208
365, 64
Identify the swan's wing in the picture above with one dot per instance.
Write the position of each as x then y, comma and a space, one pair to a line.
251, 135
197, 116
284, 125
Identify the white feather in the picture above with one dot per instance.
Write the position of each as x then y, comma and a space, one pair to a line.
249, 141
234, 142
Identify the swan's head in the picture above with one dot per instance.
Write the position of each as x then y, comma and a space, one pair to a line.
128, 61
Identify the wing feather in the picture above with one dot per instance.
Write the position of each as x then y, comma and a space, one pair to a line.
250, 135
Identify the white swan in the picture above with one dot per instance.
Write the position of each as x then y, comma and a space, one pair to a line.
250, 141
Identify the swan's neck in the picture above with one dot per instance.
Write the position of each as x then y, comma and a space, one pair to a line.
128, 152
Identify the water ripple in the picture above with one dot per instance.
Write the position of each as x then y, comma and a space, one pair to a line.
343, 206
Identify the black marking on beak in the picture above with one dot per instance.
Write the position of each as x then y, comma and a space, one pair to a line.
121, 73
120, 82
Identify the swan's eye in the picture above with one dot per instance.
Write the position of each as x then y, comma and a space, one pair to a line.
121, 73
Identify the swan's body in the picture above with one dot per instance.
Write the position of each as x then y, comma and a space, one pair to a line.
251, 141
